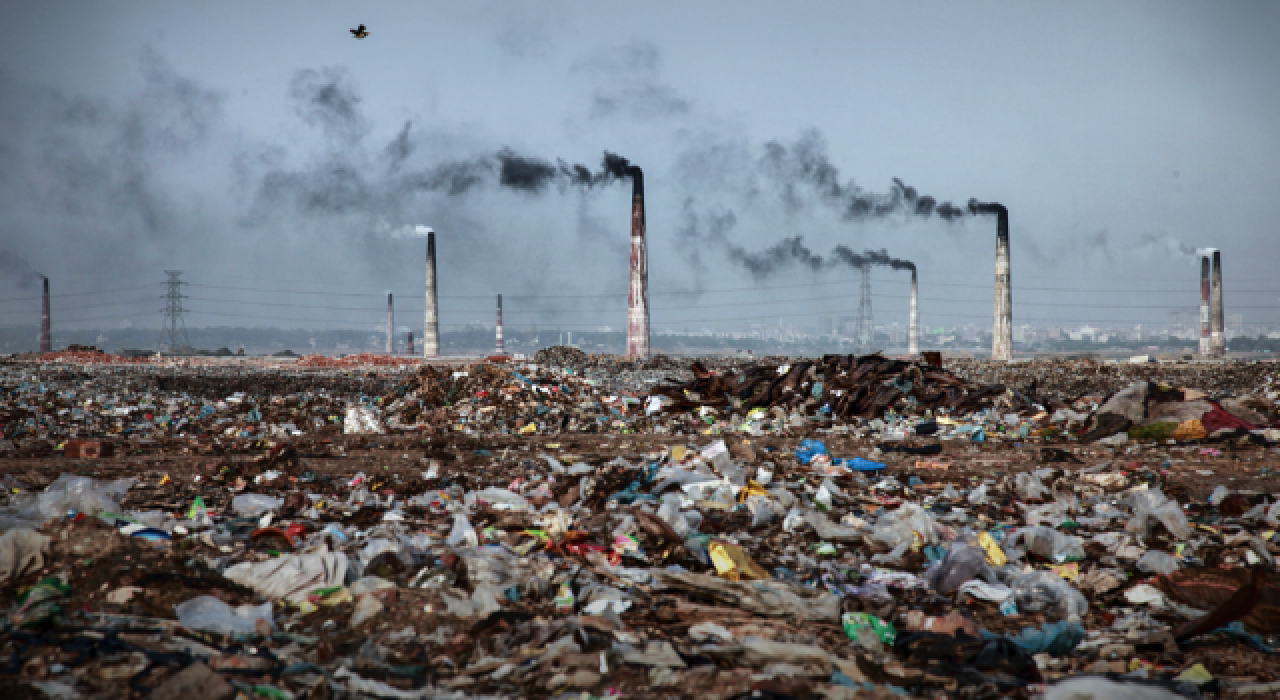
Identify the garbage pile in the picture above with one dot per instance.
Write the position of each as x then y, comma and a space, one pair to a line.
1070, 379
716, 537
363, 359
837, 387
565, 356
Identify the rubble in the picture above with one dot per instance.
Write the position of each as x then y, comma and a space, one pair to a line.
578, 524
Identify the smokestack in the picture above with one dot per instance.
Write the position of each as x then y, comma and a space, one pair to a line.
1002, 324
410, 349
46, 340
431, 323
1205, 345
501, 348
638, 296
390, 325
1217, 341
913, 331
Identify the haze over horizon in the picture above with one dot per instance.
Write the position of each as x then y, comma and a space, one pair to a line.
262, 148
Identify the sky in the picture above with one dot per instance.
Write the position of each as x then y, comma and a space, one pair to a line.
283, 165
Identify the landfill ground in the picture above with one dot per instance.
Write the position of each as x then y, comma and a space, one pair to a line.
584, 526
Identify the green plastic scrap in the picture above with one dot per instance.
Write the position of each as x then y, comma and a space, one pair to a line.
855, 621
41, 602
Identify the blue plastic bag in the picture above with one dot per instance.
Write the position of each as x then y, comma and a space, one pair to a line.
809, 449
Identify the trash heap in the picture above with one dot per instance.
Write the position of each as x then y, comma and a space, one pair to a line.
693, 541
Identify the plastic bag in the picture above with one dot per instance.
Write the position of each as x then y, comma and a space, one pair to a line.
809, 449
1154, 505
903, 524
961, 564
979, 496
1045, 542
212, 615
1097, 688
1029, 486
82, 494
254, 504
670, 514
761, 510
361, 420
1157, 562
1045, 591
462, 534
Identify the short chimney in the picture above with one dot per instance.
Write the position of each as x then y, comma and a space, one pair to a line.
390, 325
500, 346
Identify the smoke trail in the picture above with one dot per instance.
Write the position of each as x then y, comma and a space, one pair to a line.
13, 267
793, 251
805, 164
1166, 243
870, 257
976, 207
532, 175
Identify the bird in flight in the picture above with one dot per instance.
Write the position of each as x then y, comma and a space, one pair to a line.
360, 32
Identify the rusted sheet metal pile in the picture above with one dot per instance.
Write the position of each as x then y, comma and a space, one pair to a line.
832, 528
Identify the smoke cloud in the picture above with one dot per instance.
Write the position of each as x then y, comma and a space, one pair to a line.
17, 270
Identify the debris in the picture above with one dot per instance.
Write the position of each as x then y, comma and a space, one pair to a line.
381, 526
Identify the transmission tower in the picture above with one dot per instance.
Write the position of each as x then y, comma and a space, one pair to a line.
174, 327
865, 330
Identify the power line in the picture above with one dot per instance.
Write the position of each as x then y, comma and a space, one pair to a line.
99, 292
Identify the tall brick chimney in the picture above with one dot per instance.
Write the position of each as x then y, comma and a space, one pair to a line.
638, 294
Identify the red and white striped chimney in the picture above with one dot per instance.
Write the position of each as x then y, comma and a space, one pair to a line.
501, 347
638, 295
46, 338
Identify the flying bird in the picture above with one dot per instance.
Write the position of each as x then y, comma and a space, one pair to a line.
360, 32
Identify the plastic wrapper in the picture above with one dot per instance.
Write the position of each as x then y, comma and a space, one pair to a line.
502, 498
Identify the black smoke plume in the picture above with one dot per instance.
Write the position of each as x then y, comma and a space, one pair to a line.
532, 175
805, 163
793, 251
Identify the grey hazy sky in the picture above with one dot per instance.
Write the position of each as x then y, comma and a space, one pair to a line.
258, 145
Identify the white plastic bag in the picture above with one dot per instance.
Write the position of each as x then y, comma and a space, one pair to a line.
212, 615
462, 534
